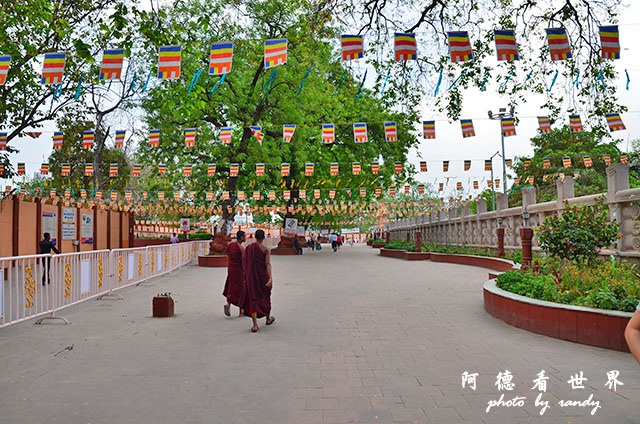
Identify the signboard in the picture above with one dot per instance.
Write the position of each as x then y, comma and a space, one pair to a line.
68, 224
185, 224
290, 227
50, 225
350, 231
86, 229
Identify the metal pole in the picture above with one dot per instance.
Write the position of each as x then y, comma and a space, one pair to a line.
493, 192
504, 165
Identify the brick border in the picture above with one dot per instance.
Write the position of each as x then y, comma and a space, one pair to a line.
403, 254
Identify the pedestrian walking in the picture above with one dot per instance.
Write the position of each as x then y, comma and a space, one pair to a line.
334, 242
256, 264
46, 246
234, 286
173, 239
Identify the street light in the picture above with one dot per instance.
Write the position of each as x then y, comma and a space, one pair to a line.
493, 193
502, 113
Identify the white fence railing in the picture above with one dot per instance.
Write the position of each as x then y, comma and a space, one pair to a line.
40, 285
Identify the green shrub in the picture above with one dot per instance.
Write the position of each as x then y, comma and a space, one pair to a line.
401, 245
199, 236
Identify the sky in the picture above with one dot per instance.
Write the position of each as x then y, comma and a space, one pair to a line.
449, 143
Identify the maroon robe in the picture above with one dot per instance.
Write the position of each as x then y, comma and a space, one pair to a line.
234, 285
257, 296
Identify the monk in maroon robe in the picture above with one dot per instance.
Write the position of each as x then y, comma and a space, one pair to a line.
234, 286
256, 264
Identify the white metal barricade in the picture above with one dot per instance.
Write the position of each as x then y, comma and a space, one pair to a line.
129, 266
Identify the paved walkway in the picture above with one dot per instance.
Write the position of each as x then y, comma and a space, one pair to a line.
358, 339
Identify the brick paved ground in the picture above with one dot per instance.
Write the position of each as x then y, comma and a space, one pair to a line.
358, 338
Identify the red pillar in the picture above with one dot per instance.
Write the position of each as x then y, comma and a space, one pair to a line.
526, 234
16, 227
500, 233
388, 237
408, 236
419, 241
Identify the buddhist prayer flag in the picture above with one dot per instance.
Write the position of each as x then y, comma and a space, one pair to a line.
187, 170
65, 169
3, 141
128, 195
445, 166
120, 134
241, 195
615, 122
58, 138
256, 195
506, 47
360, 132
211, 170
607, 159
423, 166
328, 133
559, 47
397, 166
221, 58
588, 163
257, 132
83, 193
287, 132
407, 189
459, 186
272, 195
467, 128
378, 191
162, 168
531, 180
111, 64
52, 192
508, 162
88, 169
526, 163
302, 194
285, 168
145, 195
490, 183
544, 125
275, 52
176, 196
114, 195
225, 135
459, 46
334, 169
390, 131
21, 168
169, 62
546, 163
429, 129
44, 169
332, 193
5, 61
356, 168
308, 169
154, 138
575, 123
610, 42
226, 195
190, 137
113, 170
67, 193
363, 192
53, 68
161, 195
405, 47
137, 169
488, 165
316, 193
576, 174
476, 185
234, 168
352, 47
508, 126
624, 158
498, 183
87, 140
259, 169
441, 187
375, 168
517, 182
421, 188
566, 162
467, 165
392, 191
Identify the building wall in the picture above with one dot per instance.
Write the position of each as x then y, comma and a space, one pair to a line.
6, 226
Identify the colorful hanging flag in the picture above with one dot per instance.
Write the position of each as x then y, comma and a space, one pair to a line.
526, 163
302, 194
114, 195
161, 195
363, 192
145, 195
221, 58
120, 134
392, 191
610, 42
52, 192
5, 62
33, 134
87, 140
517, 182
272, 195
334, 169
21, 168
390, 131
257, 132
169, 62
111, 64
615, 122
397, 166
459, 46
176, 196
531, 180
566, 162
113, 170
508, 126
544, 125
421, 188
405, 47
287, 132
275, 52
360, 132
67, 193
375, 168
423, 166
508, 162
328, 133
441, 187
588, 163
497, 183
259, 169
467, 128
624, 159
476, 185
256, 195
506, 47
128, 195
88, 169
242, 195
234, 168
187, 170
488, 165
352, 47
225, 135
3, 141
65, 169
445, 166
546, 163
332, 193
83, 193
154, 138
429, 129
467, 165
407, 189
459, 186
316, 193
607, 159
53, 68
162, 168
190, 137
559, 46
308, 169
575, 123
137, 169
285, 168
211, 170
490, 183
44, 169
226, 195
356, 168
58, 138
378, 191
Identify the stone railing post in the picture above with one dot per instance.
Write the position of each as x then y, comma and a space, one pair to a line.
526, 235
566, 190
481, 206
500, 234
502, 201
419, 241
617, 179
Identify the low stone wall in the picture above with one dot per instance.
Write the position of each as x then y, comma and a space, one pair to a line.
403, 254
594, 327
495, 264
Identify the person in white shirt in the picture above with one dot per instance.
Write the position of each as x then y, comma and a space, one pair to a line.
334, 242
174, 239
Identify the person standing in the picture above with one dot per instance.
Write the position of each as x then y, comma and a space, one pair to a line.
256, 264
234, 285
46, 246
174, 239
296, 244
334, 242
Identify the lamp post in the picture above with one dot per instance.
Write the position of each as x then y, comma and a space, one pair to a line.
493, 192
502, 113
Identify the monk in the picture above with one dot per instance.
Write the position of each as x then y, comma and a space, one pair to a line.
234, 286
256, 264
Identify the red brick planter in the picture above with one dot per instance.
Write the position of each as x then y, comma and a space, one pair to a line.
588, 326
213, 261
369, 243
495, 264
403, 254
285, 251
378, 245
